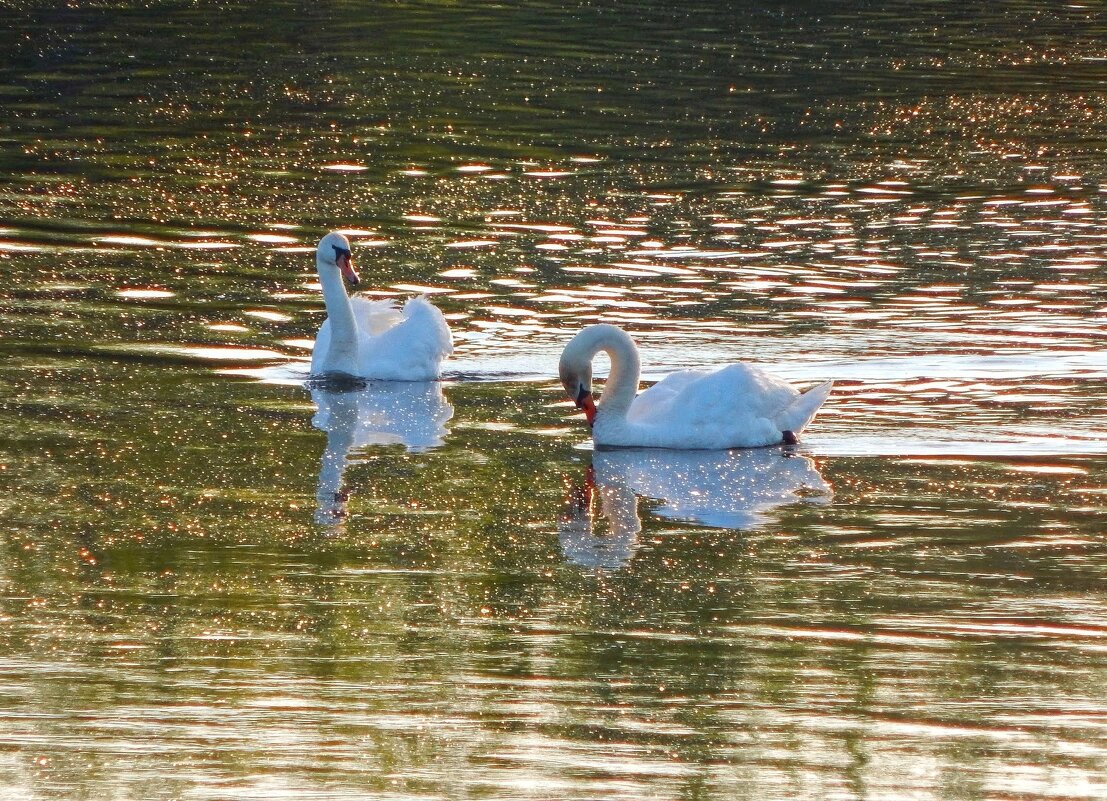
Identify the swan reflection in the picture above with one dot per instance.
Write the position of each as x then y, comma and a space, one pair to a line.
605, 539
412, 414
722, 489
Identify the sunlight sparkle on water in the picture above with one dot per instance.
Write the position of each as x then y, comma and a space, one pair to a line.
222, 578
144, 294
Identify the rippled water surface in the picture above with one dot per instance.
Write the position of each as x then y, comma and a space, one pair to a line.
217, 582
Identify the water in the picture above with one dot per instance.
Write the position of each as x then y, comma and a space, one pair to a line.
217, 583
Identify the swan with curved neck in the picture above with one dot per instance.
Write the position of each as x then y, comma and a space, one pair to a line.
736, 406
373, 339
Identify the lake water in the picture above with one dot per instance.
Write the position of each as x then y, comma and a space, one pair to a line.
217, 583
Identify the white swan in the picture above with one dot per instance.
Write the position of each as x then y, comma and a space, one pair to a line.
373, 339
736, 406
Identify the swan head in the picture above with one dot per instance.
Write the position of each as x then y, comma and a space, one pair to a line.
334, 252
575, 370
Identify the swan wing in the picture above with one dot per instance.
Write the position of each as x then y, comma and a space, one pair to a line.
661, 400
734, 406
374, 317
713, 398
413, 348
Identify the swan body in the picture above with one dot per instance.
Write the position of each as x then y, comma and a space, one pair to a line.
736, 406
373, 339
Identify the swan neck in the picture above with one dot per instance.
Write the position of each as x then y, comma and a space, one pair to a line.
622, 383
342, 353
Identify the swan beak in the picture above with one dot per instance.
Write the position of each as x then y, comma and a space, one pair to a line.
346, 264
585, 402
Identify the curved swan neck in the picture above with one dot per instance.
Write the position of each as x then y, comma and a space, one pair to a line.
622, 383
341, 354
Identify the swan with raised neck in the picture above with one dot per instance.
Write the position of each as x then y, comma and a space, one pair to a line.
364, 339
735, 406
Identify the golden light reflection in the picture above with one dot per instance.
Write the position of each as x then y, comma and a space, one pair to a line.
171, 606
145, 294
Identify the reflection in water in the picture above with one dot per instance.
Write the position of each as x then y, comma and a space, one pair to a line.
722, 489
582, 536
408, 413
828, 188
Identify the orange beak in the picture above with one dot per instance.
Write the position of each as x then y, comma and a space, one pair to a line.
589, 406
346, 264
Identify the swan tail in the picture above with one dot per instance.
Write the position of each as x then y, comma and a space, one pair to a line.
376, 316
803, 408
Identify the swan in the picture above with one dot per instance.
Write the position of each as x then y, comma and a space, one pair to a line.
373, 339
736, 406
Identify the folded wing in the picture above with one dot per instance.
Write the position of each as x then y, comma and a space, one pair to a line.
408, 344
734, 397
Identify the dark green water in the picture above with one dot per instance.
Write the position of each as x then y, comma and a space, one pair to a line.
905, 197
